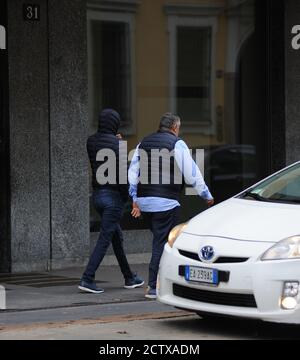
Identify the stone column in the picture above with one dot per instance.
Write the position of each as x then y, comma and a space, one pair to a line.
29, 138
68, 132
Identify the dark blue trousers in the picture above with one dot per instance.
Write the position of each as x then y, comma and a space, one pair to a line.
161, 223
110, 206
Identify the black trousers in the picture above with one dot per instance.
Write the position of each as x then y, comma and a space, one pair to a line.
161, 223
110, 206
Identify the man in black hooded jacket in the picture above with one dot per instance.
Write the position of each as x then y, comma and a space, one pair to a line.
109, 199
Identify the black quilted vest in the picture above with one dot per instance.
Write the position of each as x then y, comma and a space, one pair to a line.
162, 170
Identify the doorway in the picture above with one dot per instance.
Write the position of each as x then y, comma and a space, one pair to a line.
4, 147
251, 117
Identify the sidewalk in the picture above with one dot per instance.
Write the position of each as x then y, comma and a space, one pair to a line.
59, 289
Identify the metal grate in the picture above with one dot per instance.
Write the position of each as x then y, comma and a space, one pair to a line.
220, 260
37, 280
214, 297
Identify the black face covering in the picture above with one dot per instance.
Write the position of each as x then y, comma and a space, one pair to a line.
109, 121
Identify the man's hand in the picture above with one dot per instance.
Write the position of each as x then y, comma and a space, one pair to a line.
119, 136
136, 212
210, 202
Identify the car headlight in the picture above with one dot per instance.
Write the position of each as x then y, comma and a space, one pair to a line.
175, 232
286, 249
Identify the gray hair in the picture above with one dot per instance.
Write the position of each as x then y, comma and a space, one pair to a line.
168, 121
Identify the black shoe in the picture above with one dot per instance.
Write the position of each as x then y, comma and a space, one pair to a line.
134, 282
151, 293
89, 287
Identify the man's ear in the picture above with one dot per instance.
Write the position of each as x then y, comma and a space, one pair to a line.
177, 127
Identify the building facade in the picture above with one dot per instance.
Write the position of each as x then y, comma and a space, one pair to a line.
229, 68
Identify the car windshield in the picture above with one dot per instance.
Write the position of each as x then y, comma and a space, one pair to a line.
283, 187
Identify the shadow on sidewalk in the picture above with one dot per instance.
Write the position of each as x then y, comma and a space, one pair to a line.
55, 289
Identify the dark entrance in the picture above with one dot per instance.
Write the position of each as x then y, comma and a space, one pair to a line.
260, 116
4, 150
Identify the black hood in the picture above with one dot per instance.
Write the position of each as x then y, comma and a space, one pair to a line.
109, 121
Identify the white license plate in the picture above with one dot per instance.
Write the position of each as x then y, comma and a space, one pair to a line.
203, 275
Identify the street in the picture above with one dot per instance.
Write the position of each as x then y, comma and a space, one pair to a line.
49, 306
143, 320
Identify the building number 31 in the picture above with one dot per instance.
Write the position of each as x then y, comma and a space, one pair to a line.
31, 12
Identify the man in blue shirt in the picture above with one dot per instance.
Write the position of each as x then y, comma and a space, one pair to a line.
154, 186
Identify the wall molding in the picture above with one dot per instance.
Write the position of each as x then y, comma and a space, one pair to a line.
129, 6
194, 10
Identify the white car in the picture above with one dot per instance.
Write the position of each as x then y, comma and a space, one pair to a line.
239, 258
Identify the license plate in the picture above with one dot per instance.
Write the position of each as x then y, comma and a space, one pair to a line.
203, 275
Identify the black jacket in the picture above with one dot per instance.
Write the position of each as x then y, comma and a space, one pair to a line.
105, 138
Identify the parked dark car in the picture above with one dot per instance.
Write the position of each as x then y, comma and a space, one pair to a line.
229, 169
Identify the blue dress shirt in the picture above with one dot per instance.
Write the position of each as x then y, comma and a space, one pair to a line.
187, 166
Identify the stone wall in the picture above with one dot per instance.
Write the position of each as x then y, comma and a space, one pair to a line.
48, 118
68, 131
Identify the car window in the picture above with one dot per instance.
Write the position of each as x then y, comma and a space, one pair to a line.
283, 187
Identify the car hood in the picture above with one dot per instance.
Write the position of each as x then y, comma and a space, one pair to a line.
247, 220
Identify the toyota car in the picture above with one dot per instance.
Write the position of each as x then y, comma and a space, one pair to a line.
239, 258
